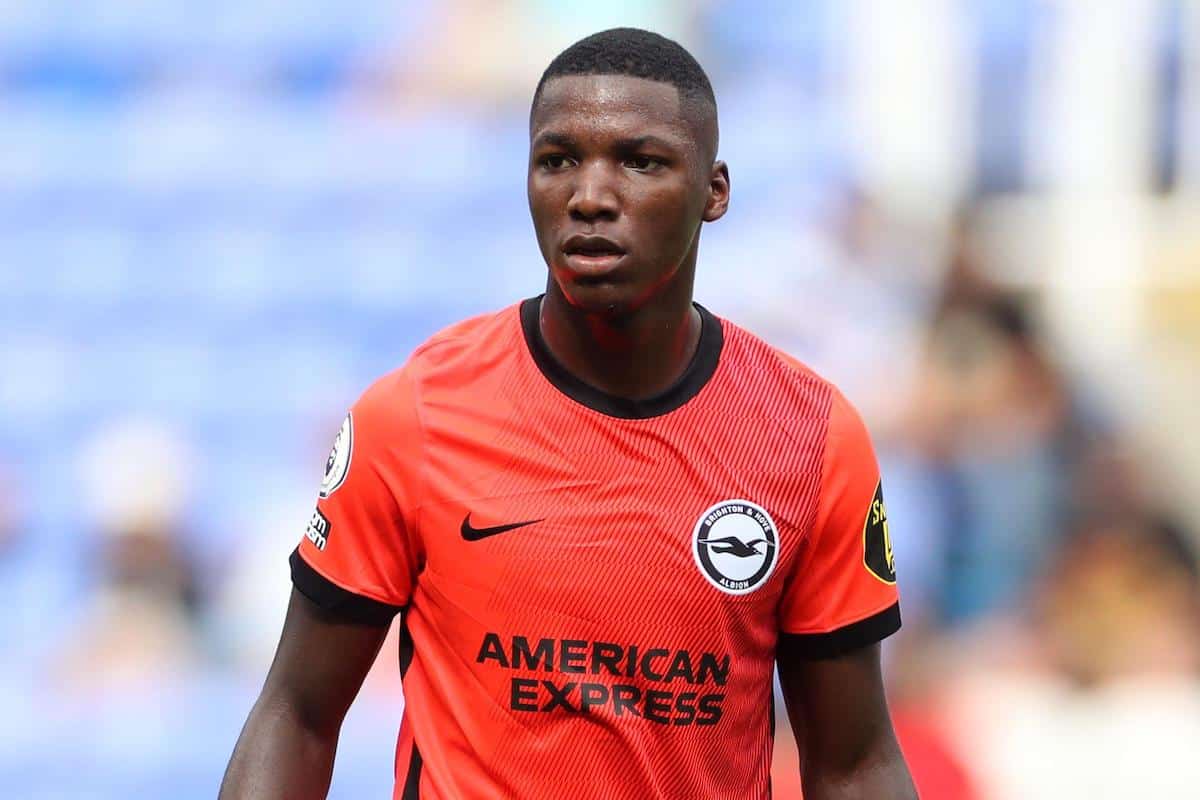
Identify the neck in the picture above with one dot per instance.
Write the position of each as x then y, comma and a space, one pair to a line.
636, 355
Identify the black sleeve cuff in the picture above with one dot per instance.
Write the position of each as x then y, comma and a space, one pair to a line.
874, 628
332, 598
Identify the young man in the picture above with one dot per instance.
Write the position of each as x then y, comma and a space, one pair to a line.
603, 514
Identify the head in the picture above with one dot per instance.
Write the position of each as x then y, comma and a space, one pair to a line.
623, 169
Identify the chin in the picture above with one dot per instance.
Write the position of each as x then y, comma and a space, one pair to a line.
607, 298
606, 295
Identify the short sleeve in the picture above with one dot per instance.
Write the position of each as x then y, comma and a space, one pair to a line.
842, 593
360, 555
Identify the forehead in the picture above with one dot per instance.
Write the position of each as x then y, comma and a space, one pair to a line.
616, 105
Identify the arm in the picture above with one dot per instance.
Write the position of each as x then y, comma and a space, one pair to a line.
287, 745
848, 750
840, 601
353, 571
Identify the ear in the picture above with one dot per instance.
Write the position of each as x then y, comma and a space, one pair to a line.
718, 192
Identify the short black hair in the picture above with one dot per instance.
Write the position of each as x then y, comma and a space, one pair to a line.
634, 52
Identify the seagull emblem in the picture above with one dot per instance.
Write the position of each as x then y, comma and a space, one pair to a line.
734, 546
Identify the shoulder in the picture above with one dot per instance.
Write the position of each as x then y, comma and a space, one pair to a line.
843, 417
470, 346
461, 354
781, 384
794, 396
465, 349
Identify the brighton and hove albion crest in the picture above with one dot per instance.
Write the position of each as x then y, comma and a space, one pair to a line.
338, 463
736, 545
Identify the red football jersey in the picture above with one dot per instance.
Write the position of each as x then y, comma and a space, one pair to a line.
592, 588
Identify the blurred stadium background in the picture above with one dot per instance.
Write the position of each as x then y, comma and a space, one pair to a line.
219, 221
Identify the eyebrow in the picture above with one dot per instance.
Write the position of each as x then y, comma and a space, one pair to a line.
638, 142
555, 139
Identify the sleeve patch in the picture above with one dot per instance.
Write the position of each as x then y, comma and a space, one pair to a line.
318, 530
878, 557
338, 463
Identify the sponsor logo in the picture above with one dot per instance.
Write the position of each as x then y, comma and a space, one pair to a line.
475, 534
877, 540
736, 545
662, 685
338, 463
317, 531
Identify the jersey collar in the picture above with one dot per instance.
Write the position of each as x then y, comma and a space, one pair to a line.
693, 379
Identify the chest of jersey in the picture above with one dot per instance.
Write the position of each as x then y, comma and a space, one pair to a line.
644, 553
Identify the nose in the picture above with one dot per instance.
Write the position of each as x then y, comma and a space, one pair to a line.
594, 196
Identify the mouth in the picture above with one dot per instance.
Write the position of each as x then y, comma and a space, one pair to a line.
592, 254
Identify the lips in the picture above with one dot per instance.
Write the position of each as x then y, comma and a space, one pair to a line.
592, 247
593, 258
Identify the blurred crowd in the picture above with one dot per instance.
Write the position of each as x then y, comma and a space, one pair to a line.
218, 226
1052, 605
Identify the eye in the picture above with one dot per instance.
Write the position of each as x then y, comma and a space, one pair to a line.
643, 163
556, 161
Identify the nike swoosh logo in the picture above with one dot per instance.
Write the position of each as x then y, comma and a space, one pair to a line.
475, 534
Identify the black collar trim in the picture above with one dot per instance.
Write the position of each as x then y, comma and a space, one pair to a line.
694, 378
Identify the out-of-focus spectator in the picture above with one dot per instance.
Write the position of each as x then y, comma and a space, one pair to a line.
1121, 601
989, 412
993, 422
1096, 693
141, 625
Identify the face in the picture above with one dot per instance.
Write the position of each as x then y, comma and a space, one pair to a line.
621, 177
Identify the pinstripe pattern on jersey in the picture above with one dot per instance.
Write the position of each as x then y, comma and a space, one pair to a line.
514, 688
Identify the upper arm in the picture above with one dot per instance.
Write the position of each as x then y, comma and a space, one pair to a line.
320, 663
357, 564
837, 709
